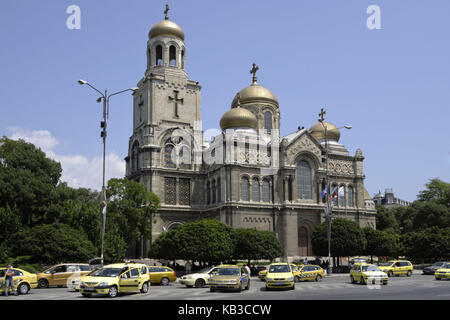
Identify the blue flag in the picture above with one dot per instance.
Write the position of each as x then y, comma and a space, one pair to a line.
325, 192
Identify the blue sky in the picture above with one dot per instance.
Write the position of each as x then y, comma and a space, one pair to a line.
392, 84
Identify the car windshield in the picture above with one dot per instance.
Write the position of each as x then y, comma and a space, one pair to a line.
106, 272
228, 272
446, 266
279, 269
370, 268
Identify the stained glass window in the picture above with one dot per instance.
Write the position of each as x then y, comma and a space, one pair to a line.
170, 191
304, 180
168, 156
255, 190
184, 192
245, 189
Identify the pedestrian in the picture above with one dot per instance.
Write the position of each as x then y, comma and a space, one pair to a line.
248, 269
188, 267
9, 282
305, 261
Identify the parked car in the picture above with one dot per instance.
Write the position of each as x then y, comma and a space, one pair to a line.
431, 269
443, 272
201, 278
230, 277
113, 279
365, 273
23, 281
162, 275
397, 268
62, 275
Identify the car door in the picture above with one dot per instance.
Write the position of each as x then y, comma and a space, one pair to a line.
155, 274
129, 281
58, 276
245, 278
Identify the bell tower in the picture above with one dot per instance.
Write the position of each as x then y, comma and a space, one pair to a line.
167, 101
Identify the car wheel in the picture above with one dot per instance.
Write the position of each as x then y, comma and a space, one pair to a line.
23, 288
144, 288
86, 295
240, 287
112, 293
297, 279
42, 283
352, 280
248, 285
165, 281
409, 273
361, 281
318, 278
438, 278
212, 289
200, 283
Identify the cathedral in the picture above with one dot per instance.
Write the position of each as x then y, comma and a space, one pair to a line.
248, 176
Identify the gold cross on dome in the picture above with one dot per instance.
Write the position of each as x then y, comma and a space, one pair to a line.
166, 12
321, 114
253, 71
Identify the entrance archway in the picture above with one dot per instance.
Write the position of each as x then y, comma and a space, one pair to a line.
303, 241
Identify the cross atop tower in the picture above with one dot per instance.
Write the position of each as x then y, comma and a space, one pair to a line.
166, 12
253, 71
321, 114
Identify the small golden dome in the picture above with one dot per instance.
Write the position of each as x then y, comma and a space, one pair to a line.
318, 131
238, 118
166, 28
255, 93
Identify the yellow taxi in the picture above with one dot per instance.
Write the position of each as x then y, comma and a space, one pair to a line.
308, 272
229, 277
262, 274
62, 274
397, 268
365, 273
162, 275
113, 279
199, 279
23, 281
280, 275
443, 272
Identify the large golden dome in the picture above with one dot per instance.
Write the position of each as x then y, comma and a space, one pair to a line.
318, 131
166, 28
255, 93
238, 118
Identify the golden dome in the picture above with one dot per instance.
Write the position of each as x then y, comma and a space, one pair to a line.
238, 118
318, 131
166, 28
255, 93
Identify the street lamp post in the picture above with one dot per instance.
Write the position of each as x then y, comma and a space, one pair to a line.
328, 208
105, 97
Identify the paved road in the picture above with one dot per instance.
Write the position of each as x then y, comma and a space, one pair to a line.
416, 287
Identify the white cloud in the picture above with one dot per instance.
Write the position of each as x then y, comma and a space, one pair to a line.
78, 170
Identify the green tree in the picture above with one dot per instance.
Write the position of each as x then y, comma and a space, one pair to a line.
27, 179
347, 238
379, 243
53, 243
130, 207
206, 240
436, 191
253, 244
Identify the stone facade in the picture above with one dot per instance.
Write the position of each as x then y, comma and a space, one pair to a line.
244, 178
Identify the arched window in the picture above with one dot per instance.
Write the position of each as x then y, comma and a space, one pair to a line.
350, 196
245, 189
341, 195
169, 156
268, 121
159, 56
266, 191
182, 59
304, 180
255, 189
172, 56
